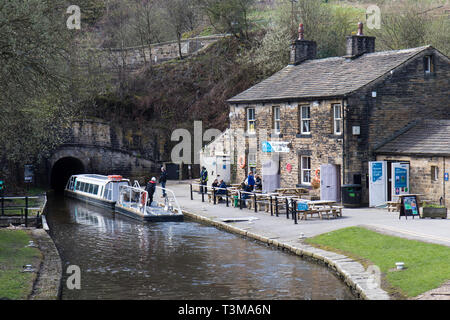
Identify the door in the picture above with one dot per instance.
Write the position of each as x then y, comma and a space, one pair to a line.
330, 182
271, 175
400, 179
378, 186
223, 168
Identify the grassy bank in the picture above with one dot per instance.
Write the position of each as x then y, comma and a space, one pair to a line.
15, 284
427, 264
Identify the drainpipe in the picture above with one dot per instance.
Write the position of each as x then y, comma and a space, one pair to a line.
344, 128
443, 178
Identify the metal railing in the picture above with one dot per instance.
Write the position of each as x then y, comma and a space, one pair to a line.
275, 201
170, 200
138, 196
25, 209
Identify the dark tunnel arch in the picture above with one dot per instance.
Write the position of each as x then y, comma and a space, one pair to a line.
62, 170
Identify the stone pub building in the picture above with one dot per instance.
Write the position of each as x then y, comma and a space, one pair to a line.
328, 116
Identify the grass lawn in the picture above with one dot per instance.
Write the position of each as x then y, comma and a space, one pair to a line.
15, 284
428, 265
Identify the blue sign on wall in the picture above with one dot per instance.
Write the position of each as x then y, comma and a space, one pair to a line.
266, 147
377, 171
446, 176
400, 178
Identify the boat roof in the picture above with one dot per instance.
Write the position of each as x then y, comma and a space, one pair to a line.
97, 178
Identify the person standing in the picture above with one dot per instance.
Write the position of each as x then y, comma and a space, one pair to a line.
163, 180
150, 188
203, 180
251, 181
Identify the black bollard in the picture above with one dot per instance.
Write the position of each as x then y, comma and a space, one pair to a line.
254, 202
287, 208
295, 212
240, 200
276, 206
214, 194
271, 208
226, 197
26, 212
192, 195
203, 194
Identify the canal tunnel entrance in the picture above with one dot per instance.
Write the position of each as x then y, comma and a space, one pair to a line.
62, 170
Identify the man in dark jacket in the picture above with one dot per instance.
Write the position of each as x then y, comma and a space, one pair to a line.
163, 180
203, 180
150, 188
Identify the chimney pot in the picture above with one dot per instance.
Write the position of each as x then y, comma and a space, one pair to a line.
360, 29
301, 31
302, 49
359, 44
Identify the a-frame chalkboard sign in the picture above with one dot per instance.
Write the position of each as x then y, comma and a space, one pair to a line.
409, 207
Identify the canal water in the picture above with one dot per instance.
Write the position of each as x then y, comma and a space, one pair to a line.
121, 258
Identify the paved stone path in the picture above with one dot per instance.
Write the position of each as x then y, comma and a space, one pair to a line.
282, 232
428, 230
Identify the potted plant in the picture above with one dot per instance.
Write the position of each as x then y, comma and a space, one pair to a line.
433, 211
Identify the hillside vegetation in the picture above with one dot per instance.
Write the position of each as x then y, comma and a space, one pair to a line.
49, 75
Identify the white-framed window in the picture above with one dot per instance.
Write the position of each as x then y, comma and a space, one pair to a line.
252, 159
276, 119
428, 64
305, 119
337, 114
434, 173
251, 120
305, 168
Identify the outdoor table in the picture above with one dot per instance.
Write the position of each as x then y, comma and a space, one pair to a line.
321, 207
292, 191
395, 205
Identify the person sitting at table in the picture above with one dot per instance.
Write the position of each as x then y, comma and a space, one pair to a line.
244, 196
222, 186
258, 183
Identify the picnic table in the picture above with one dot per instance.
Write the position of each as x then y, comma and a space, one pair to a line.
292, 191
394, 206
321, 207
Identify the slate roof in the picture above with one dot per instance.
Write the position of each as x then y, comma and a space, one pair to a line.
329, 77
428, 137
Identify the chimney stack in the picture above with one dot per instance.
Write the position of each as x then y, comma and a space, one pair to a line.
359, 44
302, 49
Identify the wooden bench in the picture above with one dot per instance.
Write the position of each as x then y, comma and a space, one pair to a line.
337, 211
393, 206
303, 215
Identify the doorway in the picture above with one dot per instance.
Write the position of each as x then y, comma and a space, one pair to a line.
330, 182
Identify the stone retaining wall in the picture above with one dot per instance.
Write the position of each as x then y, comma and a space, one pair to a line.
48, 283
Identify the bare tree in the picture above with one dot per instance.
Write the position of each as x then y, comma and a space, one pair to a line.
181, 15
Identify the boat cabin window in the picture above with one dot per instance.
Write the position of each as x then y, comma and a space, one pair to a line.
108, 191
95, 189
91, 188
78, 185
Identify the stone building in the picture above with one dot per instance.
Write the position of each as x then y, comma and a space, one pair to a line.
425, 145
332, 114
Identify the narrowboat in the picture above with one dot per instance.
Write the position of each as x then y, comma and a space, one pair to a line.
134, 203
102, 191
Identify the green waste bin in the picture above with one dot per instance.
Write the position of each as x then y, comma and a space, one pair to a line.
351, 195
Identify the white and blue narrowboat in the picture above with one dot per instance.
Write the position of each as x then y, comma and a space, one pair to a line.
102, 191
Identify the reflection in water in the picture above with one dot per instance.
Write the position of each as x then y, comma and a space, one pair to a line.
125, 259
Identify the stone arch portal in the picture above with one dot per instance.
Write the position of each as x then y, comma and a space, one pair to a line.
62, 170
